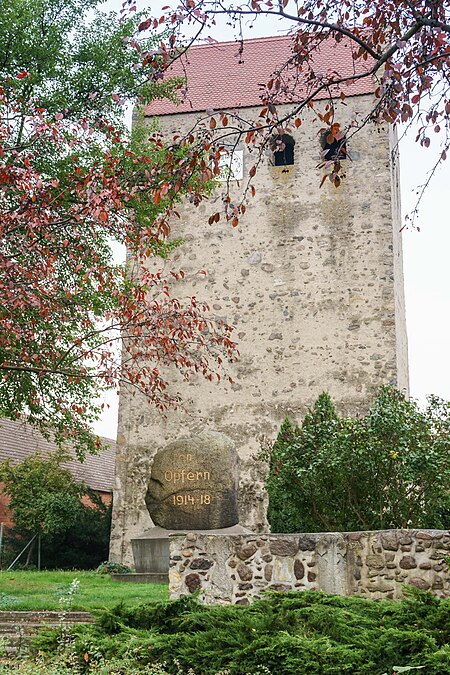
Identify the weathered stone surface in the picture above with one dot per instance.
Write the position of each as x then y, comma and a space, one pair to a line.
283, 547
306, 543
281, 588
193, 582
355, 536
245, 572
247, 551
299, 569
268, 571
194, 484
381, 585
425, 566
175, 581
201, 564
406, 540
191, 536
254, 258
419, 583
329, 272
375, 561
408, 562
283, 569
390, 540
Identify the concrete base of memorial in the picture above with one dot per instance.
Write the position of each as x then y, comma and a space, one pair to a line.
151, 550
137, 578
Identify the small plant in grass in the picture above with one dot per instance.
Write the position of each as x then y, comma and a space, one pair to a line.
7, 601
66, 653
111, 567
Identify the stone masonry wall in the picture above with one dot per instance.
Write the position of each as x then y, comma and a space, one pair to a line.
237, 569
312, 281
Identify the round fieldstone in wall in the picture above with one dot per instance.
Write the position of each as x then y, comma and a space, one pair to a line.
194, 484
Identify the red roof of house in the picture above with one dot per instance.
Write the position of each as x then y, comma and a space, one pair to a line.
18, 440
219, 77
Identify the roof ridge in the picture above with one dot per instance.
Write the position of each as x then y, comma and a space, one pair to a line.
218, 43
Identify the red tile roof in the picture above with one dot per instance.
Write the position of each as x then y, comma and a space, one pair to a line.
18, 440
218, 77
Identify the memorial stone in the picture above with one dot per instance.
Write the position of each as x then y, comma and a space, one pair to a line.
194, 484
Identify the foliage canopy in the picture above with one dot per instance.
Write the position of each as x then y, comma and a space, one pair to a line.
45, 500
72, 182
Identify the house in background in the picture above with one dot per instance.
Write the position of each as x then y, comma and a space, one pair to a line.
18, 440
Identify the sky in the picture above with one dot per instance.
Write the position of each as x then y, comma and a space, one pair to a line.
426, 259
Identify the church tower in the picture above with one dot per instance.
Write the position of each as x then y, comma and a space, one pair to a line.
311, 279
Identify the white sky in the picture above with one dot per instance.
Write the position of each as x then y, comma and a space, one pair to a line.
426, 259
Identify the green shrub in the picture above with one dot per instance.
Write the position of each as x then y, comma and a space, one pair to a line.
45, 500
297, 633
388, 469
110, 567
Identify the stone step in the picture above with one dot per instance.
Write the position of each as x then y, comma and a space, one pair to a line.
10, 628
45, 616
16, 628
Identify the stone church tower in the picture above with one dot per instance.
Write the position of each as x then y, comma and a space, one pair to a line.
311, 279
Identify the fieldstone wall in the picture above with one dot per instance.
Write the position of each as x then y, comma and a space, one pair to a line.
237, 569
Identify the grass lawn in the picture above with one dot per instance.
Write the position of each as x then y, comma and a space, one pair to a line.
42, 590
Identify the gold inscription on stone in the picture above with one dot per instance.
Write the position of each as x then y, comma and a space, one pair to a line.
188, 500
183, 476
187, 477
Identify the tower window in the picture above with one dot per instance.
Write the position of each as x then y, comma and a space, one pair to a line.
283, 150
333, 142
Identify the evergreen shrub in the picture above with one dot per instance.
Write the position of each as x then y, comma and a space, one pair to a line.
297, 633
387, 469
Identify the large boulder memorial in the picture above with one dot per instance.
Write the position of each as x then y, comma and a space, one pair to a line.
194, 484
193, 487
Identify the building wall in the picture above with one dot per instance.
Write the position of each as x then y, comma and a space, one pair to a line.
311, 279
5, 513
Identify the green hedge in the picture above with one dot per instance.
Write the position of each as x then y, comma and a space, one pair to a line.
297, 633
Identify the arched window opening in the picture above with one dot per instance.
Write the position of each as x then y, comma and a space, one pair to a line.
334, 143
283, 150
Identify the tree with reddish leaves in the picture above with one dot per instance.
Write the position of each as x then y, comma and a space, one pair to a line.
401, 46
71, 321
